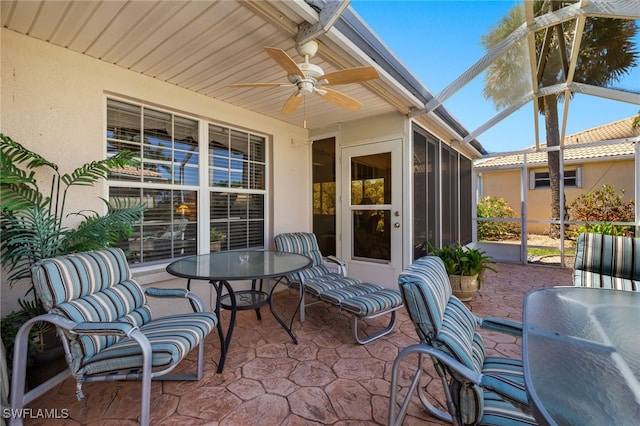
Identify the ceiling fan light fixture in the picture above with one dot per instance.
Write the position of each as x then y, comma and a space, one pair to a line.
306, 87
309, 78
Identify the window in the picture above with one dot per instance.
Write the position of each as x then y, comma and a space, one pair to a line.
442, 194
168, 182
236, 188
425, 184
450, 185
540, 179
324, 194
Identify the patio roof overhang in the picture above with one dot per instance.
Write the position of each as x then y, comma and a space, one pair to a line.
206, 46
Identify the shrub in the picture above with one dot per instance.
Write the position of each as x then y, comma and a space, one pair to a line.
599, 208
495, 207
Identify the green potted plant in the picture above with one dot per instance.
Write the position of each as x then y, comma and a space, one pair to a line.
31, 223
216, 239
465, 266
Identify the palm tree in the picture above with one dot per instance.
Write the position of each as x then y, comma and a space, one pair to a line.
607, 52
636, 121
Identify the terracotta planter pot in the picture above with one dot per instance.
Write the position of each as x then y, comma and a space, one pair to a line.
464, 287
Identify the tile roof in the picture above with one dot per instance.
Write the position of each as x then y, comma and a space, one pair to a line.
134, 171
616, 131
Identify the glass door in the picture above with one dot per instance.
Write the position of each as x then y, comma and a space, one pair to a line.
372, 224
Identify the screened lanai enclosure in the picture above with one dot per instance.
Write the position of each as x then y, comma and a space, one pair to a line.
555, 55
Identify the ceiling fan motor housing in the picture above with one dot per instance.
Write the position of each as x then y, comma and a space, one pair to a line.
308, 81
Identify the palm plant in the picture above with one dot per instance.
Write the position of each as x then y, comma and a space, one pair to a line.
31, 220
607, 53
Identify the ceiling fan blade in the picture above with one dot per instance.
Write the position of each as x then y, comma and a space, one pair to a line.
292, 103
339, 99
351, 75
260, 85
284, 60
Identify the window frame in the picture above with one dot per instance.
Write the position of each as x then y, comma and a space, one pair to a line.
203, 188
574, 181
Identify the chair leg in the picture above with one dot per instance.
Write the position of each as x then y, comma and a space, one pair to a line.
17, 397
384, 332
439, 414
415, 382
18, 378
147, 353
200, 360
301, 303
393, 420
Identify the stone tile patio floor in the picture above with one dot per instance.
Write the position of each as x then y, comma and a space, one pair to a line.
327, 379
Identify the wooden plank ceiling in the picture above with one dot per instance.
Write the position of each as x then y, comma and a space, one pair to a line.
200, 46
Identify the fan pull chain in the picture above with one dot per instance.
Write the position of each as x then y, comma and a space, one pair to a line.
304, 112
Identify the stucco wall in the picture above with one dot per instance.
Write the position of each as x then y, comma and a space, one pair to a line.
53, 102
506, 184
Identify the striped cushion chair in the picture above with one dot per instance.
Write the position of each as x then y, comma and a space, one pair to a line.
330, 284
478, 389
324, 275
106, 325
607, 261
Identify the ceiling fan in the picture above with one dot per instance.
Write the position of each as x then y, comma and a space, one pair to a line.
308, 78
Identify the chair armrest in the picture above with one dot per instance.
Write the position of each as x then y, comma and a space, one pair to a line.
341, 265
501, 325
504, 388
99, 328
452, 363
196, 302
166, 292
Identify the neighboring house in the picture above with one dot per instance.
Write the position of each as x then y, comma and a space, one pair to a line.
83, 80
592, 158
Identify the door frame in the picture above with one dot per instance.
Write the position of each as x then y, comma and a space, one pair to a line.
382, 273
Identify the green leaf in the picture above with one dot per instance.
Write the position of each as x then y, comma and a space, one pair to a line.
14, 152
28, 236
97, 231
90, 173
18, 196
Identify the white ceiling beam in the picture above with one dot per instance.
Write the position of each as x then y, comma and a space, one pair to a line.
499, 117
298, 8
557, 88
604, 92
533, 66
573, 60
329, 14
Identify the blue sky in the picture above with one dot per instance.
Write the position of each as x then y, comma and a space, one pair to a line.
439, 39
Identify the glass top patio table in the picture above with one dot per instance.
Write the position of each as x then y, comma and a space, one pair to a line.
227, 265
581, 354
219, 268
